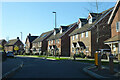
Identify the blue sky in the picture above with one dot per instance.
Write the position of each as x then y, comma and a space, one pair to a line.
37, 17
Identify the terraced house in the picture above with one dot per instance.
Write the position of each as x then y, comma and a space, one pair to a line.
9, 47
90, 34
28, 43
2, 44
58, 43
114, 21
40, 44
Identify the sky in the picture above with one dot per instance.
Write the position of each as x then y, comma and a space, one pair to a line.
37, 17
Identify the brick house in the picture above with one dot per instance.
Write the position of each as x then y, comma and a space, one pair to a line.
28, 43
59, 42
90, 36
114, 21
40, 43
9, 47
2, 44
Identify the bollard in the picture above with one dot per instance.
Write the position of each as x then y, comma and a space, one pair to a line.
99, 61
111, 64
74, 57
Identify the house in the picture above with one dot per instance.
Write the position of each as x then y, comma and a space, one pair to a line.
90, 34
2, 44
40, 43
11, 44
59, 42
28, 43
114, 21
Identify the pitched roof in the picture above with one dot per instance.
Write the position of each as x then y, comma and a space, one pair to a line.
32, 38
83, 19
88, 26
2, 40
12, 42
114, 11
42, 36
113, 39
59, 35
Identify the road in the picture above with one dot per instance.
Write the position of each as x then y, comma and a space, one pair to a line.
36, 68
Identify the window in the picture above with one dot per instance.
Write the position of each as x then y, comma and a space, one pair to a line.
86, 34
82, 35
90, 20
118, 26
76, 36
80, 25
58, 41
72, 50
72, 37
49, 42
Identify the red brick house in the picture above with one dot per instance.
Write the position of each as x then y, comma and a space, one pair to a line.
40, 43
90, 36
28, 43
59, 42
114, 21
10, 45
2, 44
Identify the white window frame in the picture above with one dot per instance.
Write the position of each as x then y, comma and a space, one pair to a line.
72, 37
58, 41
90, 20
86, 34
80, 25
76, 36
49, 42
82, 35
118, 26
72, 50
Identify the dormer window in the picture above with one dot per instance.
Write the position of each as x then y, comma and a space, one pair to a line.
80, 25
54, 32
90, 20
61, 30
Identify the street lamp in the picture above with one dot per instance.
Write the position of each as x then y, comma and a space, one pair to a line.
55, 34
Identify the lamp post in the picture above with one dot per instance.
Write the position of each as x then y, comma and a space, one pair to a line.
55, 34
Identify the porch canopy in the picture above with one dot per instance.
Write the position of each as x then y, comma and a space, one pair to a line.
81, 44
113, 39
50, 47
74, 44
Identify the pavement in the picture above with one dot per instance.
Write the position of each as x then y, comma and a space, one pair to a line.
104, 73
9, 66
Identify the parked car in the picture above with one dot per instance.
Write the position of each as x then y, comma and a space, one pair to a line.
10, 54
104, 53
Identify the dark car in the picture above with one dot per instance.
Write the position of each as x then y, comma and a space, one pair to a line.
104, 53
10, 54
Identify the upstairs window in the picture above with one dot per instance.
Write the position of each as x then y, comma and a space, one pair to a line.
72, 37
76, 36
118, 26
86, 34
58, 41
49, 42
82, 35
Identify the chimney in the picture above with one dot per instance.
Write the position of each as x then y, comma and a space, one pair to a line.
29, 34
17, 37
